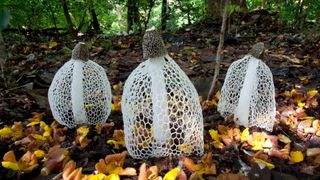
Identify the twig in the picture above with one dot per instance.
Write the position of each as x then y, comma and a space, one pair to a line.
219, 51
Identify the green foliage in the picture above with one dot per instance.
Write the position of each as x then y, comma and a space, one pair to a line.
112, 14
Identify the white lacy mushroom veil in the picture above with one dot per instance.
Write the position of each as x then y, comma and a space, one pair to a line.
80, 92
161, 111
248, 93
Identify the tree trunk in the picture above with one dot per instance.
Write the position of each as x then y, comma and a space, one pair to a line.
150, 5
132, 14
3, 57
94, 19
219, 50
68, 18
164, 15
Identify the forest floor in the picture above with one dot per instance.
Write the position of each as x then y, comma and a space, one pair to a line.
290, 151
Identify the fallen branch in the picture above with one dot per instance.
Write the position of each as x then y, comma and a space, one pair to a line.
219, 51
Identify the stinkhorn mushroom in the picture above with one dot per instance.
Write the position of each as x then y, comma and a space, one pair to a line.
161, 110
80, 92
248, 92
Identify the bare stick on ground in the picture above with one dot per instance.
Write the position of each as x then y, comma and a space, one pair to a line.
219, 51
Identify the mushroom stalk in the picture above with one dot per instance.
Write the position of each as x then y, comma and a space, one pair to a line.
242, 112
159, 100
77, 93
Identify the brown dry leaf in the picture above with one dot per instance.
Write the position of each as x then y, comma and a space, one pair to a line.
57, 133
205, 166
317, 160
182, 175
143, 172
116, 105
55, 160
152, 173
231, 176
104, 127
129, 171
120, 158
37, 117
113, 164
281, 154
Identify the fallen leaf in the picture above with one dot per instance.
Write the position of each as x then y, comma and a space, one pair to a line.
81, 138
284, 139
172, 174
55, 160
26, 163
118, 139
231, 176
296, 156
263, 163
313, 151
245, 134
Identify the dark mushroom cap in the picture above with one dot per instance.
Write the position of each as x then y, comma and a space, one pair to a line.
257, 50
80, 52
153, 45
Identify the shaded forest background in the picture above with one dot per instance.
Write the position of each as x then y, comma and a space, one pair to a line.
109, 17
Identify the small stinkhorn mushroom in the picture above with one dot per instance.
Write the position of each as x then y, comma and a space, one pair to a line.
248, 91
161, 111
80, 92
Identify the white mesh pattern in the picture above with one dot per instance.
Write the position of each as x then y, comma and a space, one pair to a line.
92, 100
158, 125
248, 93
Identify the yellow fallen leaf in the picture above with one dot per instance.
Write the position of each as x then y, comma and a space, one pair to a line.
296, 156
33, 123
312, 93
99, 176
245, 134
172, 174
214, 134
10, 165
116, 144
6, 132
112, 177
115, 87
258, 161
38, 136
257, 140
82, 138
217, 95
113, 107
39, 153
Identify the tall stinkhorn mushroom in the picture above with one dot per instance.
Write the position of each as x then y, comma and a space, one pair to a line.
161, 110
248, 91
80, 92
